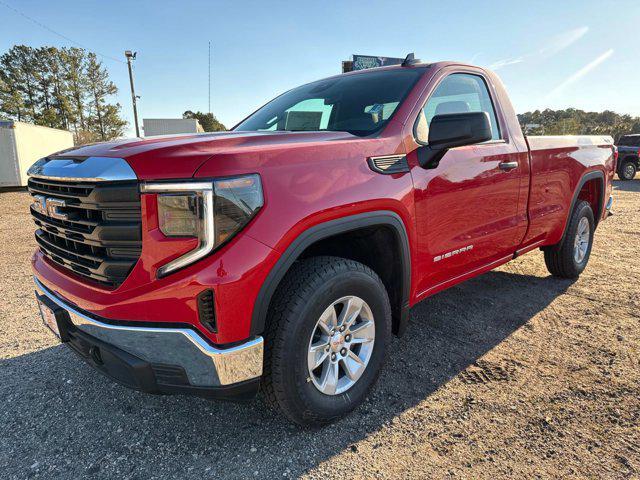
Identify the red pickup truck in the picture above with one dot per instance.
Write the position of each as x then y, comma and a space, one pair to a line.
282, 255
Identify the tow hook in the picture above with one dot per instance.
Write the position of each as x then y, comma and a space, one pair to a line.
96, 356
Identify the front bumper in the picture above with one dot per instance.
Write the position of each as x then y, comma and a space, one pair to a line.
158, 359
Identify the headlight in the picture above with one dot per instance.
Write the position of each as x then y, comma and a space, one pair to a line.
213, 212
178, 214
236, 201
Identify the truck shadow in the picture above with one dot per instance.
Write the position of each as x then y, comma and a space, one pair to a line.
628, 185
56, 404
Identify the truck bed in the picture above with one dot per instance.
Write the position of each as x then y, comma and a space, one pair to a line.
557, 165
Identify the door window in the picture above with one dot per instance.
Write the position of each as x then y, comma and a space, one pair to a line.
458, 93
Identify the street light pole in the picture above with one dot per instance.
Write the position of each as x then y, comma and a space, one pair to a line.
132, 56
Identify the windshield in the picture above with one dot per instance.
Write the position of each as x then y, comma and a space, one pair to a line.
359, 104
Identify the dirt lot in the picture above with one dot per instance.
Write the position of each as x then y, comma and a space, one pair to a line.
511, 375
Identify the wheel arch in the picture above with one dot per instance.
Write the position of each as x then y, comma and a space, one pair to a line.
334, 228
633, 158
595, 177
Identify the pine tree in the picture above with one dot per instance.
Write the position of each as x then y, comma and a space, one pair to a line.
60, 95
104, 119
20, 67
40, 61
11, 101
73, 64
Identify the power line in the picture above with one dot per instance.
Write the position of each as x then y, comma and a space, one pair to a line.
42, 25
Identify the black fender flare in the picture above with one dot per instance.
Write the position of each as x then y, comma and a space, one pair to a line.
596, 174
328, 229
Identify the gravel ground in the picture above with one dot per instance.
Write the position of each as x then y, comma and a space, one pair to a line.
510, 375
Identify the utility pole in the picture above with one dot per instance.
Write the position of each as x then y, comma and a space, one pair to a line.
209, 77
132, 56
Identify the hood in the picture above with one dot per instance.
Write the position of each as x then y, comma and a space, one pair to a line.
179, 156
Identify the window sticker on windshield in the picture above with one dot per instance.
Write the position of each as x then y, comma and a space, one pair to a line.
377, 108
305, 121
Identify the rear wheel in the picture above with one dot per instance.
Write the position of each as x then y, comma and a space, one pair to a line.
570, 257
326, 339
627, 170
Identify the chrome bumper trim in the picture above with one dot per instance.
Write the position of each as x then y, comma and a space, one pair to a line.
204, 364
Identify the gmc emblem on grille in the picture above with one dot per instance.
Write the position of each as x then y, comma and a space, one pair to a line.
49, 207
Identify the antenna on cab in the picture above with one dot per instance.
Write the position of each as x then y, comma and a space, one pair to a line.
410, 60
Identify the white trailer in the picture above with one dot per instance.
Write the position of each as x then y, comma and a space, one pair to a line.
21, 144
170, 126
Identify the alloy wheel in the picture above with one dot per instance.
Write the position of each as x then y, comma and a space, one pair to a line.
629, 171
341, 345
581, 242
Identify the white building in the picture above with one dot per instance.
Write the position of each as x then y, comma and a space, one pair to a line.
168, 126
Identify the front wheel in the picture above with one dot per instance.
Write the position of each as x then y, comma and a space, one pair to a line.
326, 339
570, 257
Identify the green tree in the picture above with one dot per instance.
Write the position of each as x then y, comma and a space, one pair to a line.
208, 121
11, 101
18, 70
578, 122
73, 63
60, 94
104, 119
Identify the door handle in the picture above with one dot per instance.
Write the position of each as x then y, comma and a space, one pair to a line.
508, 165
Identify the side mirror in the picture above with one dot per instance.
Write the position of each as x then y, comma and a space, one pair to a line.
450, 131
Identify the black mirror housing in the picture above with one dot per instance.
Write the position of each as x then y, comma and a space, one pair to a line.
453, 130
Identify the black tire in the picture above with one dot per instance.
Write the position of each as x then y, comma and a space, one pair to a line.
306, 291
627, 170
560, 259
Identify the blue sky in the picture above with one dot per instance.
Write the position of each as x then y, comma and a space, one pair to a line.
558, 54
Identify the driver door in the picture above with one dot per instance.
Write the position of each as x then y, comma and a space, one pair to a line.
466, 207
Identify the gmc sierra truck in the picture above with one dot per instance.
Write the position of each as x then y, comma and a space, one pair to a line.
282, 255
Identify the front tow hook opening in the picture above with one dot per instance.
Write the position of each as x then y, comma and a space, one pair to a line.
96, 356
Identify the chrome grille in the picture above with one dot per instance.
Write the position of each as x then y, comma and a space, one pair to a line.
97, 234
